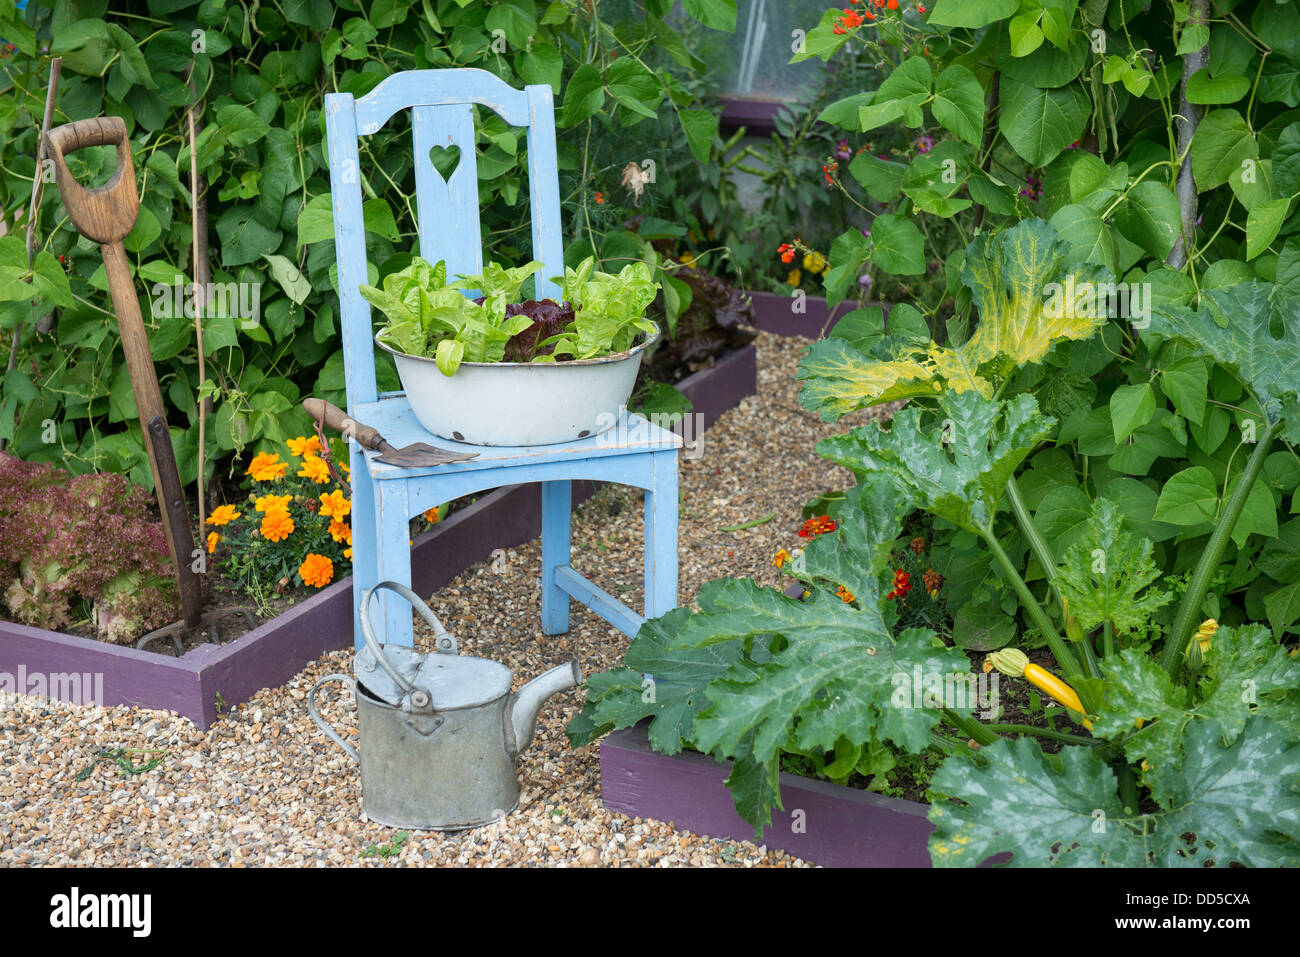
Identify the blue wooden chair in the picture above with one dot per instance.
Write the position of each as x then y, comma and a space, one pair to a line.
636, 452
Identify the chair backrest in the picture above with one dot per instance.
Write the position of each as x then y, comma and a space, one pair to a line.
441, 104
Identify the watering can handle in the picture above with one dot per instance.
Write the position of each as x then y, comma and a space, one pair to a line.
443, 640
321, 723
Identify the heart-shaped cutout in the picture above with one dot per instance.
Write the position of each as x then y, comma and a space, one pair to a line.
445, 159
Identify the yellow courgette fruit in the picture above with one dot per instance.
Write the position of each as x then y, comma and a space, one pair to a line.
1045, 681
1014, 663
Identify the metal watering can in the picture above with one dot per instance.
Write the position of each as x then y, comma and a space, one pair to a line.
439, 733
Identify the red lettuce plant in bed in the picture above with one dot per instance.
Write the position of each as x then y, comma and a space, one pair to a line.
80, 547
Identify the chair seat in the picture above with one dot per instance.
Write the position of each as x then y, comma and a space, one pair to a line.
394, 419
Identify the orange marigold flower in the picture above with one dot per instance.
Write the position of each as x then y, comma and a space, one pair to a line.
335, 504
213, 538
844, 595
314, 468
780, 558
347, 553
277, 525
270, 503
917, 545
222, 515
817, 526
600, 199
316, 570
266, 467
303, 447
932, 580
340, 531
431, 516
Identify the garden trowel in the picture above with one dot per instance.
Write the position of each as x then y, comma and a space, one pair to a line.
415, 455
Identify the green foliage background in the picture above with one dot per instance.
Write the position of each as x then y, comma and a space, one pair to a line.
624, 81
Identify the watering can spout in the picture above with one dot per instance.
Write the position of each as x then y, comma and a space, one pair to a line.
529, 700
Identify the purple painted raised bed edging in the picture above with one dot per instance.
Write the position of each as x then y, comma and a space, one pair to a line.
839, 826
774, 313
757, 116
278, 649
713, 391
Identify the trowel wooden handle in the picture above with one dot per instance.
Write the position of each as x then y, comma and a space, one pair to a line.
106, 213
340, 421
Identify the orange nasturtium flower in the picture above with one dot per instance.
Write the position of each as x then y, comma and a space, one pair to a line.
213, 538
266, 467
780, 558
335, 504
270, 503
316, 570
340, 531
222, 515
314, 468
277, 525
303, 447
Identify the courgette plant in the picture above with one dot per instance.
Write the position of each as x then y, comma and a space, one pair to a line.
1177, 761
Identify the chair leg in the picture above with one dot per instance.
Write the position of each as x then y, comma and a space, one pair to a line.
390, 613
365, 546
557, 505
661, 537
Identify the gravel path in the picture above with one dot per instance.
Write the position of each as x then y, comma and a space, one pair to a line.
264, 787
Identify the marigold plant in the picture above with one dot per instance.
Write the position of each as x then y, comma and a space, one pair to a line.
293, 528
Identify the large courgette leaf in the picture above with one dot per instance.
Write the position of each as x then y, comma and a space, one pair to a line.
1104, 576
1247, 674
777, 670
1238, 803
988, 440
1024, 284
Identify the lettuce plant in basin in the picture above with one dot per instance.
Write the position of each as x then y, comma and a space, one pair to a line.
481, 366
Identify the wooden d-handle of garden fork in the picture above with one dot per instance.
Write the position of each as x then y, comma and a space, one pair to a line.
106, 213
